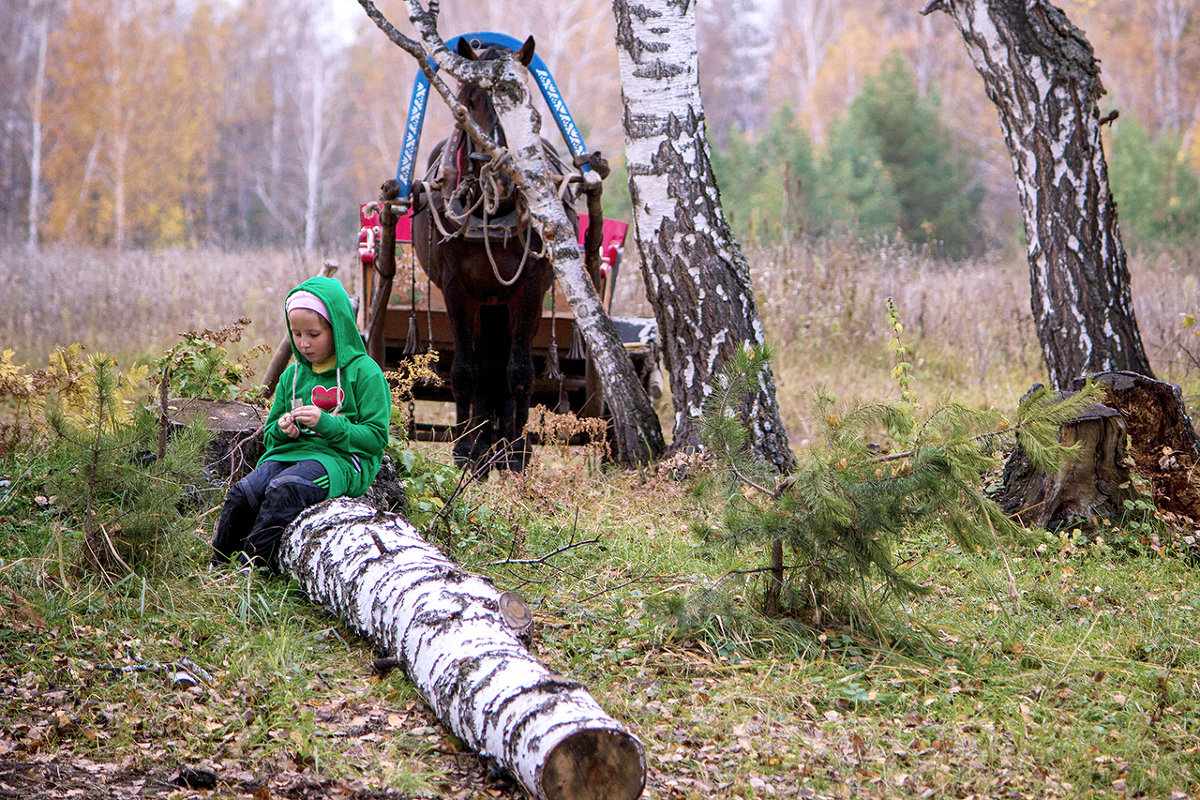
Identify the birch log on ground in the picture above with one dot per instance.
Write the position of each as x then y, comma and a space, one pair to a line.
444, 625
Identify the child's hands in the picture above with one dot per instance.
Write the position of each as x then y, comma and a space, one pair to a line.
307, 416
287, 424
304, 416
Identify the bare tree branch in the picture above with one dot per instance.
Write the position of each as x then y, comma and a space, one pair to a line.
480, 72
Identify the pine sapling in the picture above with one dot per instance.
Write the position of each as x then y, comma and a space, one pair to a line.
108, 473
876, 473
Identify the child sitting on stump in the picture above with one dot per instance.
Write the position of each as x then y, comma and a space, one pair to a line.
325, 432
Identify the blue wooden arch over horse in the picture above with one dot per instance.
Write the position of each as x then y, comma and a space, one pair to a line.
419, 102
471, 233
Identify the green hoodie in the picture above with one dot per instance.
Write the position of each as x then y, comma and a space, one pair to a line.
354, 397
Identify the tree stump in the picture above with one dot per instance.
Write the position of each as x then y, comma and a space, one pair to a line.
1162, 441
386, 492
237, 432
1094, 484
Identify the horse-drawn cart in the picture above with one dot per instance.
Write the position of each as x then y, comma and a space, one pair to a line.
416, 304
415, 319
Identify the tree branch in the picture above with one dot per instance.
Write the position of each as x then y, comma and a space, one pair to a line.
544, 558
425, 21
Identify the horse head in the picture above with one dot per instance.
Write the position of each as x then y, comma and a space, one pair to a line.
478, 100
463, 158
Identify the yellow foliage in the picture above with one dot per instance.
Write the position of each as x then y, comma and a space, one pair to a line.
84, 402
70, 387
67, 375
70, 381
14, 382
413, 370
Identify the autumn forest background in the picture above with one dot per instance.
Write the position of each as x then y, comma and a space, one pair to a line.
224, 149
160, 124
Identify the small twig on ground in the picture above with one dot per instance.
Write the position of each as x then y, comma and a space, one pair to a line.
542, 559
187, 663
629, 582
237, 455
753, 571
1075, 652
184, 664
465, 479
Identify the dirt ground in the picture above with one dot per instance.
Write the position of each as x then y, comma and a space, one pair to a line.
55, 777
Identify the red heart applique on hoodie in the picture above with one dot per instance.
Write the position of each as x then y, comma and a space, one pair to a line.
327, 399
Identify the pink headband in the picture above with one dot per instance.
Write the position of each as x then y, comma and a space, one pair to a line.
303, 299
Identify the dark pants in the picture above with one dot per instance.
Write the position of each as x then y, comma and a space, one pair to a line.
261, 505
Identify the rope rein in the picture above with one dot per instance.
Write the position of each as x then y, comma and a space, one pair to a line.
487, 188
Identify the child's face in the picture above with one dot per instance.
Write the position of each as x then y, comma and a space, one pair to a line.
311, 333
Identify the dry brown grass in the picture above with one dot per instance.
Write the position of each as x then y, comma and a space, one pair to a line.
135, 304
968, 326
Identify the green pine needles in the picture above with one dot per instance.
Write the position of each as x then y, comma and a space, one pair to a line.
877, 473
103, 473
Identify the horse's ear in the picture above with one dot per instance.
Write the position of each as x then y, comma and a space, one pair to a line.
525, 54
465, 50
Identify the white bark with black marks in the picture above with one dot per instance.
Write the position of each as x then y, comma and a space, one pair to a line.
445, 627
637, 432
1040, 72
697, 278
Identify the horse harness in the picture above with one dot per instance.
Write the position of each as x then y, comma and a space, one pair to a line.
469, 201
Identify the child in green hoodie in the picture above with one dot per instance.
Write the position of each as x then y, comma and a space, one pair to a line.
325, 432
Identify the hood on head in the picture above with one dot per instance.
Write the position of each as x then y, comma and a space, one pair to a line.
347, 342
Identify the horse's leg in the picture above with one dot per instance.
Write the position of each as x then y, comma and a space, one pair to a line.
526, 316
493, 358
464, 374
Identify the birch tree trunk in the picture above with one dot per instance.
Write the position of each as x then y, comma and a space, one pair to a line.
446, 628
118, 162
806, 32
37, 99
1170, 21
637, 433
318, 75
696, 277
1040, 72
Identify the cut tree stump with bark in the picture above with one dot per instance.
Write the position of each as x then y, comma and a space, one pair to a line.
447, 628
1094, 484
1162, 441
237, 432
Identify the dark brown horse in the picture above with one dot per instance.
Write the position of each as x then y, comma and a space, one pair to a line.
471, 234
